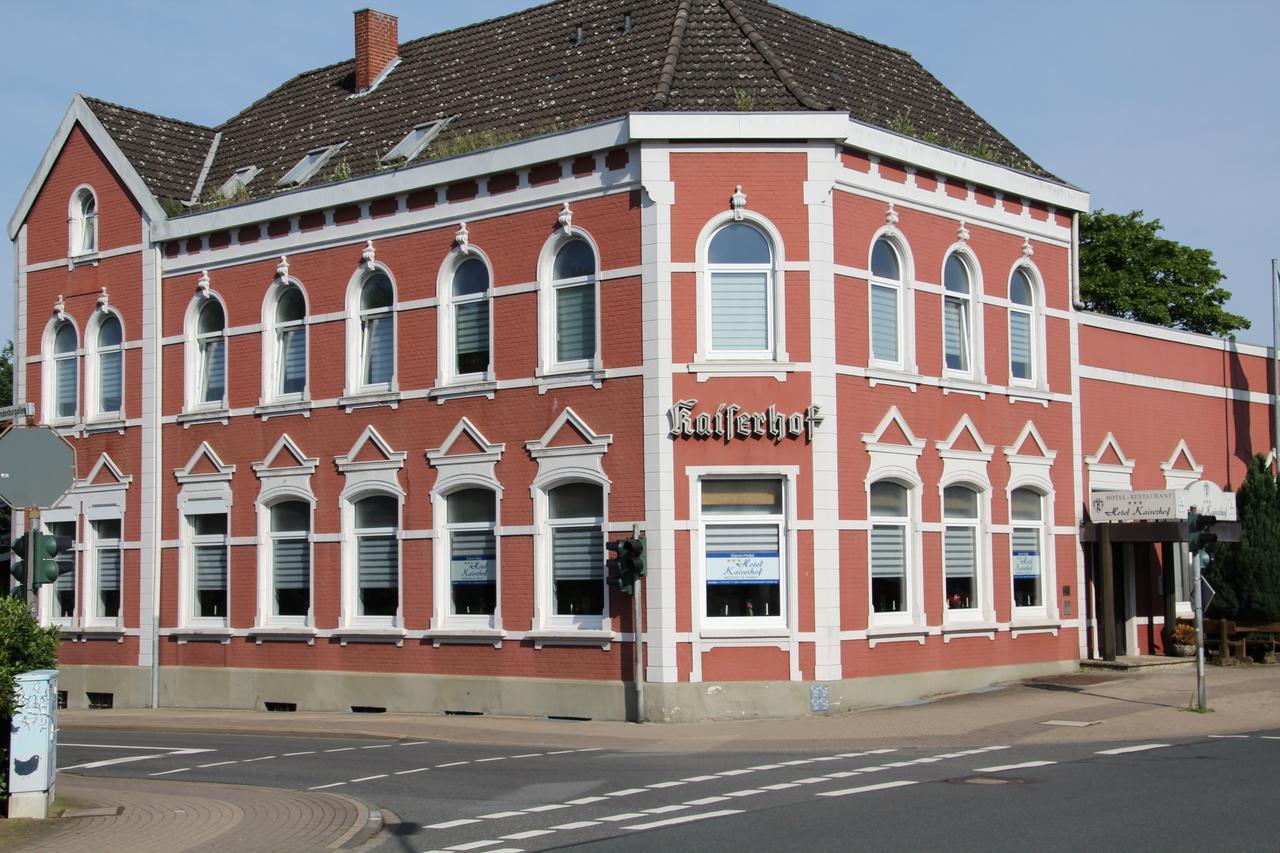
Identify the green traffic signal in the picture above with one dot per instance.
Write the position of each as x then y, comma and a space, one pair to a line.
627, 564
46, 549
1200, 533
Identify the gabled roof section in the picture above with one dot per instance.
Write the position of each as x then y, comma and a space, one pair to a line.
168, 153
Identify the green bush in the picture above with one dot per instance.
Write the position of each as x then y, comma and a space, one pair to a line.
24, 646
1246, 574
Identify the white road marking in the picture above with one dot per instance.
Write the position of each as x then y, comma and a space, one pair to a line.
900, 764
578, 824
1271, 737
1078, 724
591, 749
706, 801
674, 807
865, 788
613, 818
528, 755
994, 748
369, 778
216, 764
749, 792
666, 784
414, 770
473, 845
341, 749
876, 769
766, 767
167, 772
260, 758
417, 743
796, 763
110, 762
322, 787
812, 780
379, 746
453, 764
1000, 768
827, 758
292, 754
780, 786
690, 818
582, 801
450, 824
699, 779
495, 758
1229, 736
121, 746
881, 751
547, 808
735, 772
497, 815
843, 774
1139, 748
625, 792
560, 752
528, 833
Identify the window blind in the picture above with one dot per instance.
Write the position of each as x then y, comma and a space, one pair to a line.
575, 322
577, 553
110, 375
378, 560
292, 564
1026, 544
66, 390
66, 576
474, 557
888, 551
884, 323
109, 570
293, 367
955, 323
724, 540
472, 336
959, 552
215, 374
379, 342
211, 567
739, 311
1020, 344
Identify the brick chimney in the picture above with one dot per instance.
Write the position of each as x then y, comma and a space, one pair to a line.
377, 43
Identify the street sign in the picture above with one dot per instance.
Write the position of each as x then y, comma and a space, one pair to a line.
1208, 499
37, 466
1206, 593
22, 410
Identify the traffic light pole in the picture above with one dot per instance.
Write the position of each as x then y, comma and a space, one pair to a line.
29, 561
639, 647
1197, 599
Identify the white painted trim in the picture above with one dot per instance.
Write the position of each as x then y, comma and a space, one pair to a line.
1163, 333
1161, 383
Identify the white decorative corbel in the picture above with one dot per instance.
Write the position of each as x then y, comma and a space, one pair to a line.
738, 201
60, 308
282, 268
368, 255
103, 299
962, 233
1027, 249
462, 238
891, 215
566, 219
202, 283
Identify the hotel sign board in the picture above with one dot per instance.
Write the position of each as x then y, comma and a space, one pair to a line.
1208, 499
731, 422
1152, 505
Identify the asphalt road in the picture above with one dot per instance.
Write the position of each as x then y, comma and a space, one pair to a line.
1212, 793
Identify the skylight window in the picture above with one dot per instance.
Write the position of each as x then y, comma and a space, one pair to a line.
238, 181
416, 141
311, 163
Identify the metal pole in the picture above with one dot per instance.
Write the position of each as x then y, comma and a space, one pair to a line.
1197, 602
1107, 618
29, 574
639, 648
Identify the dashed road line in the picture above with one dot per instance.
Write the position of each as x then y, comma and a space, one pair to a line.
866, 788
259, 758
528, 755
473, 845
747, 792
305, 752
528, 833
414, 770
322, 787
618, 818
550, 807
699, 778
560, 752
215, 764
1000, 768
341, 749
674, 784
706, 801
626, 792
369, 778
780, 786
417, 743
1125, 749
494, 758
577, 824
167, 772
674, 807
673, 821
450, 824
497, 815
379, 746
1229, 736
453, 764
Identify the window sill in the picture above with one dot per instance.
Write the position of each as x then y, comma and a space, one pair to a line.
476, 636
552, 380
220, 415
83, 259
1042, 625
890, 376
201, 635
87, 633
453, 391
368, 399
952, 385
266, 411
370, 635
748, 368
959, 629
896, 634
283, 634
570, 637
745, 632
115, 424
1036, 396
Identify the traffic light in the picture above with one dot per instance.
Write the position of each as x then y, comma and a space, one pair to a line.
46, 549
1200, 531
627, 563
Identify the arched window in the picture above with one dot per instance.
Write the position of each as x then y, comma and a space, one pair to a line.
82, 223
1022, 325
469, 307
377, 525
890, 527
576, 519
289, 370
960, 547
957, 316
377, 332
471, 519
886, 304
65, 371
573, 285
290, 529
211, 349
740, 271
1026, 512
108, 360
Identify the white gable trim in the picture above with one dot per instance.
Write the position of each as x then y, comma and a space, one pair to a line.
1182, 450
1029, 431
596, 444
305, 465
893, 461
946, 449
223, 474
393, 459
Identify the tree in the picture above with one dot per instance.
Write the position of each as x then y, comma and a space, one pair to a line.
6, 374
24, 647
1246, 574
1128, 270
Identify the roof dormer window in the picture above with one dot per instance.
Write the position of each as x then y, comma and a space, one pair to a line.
237, 183
313, 161
416, 141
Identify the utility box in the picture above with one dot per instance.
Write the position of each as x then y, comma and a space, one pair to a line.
33, 744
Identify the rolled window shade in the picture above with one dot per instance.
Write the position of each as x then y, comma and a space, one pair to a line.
761, 540
1026, 544
211, 567
575, 322
291, 564
577, 553
293, 360
740, 311
66, 576
959, 552
215, 372
109, 570
379, 342
888, 551
474, 557
1020, 344
472, 335
110, 380
955, 323
884, 322
379, 561
66, 390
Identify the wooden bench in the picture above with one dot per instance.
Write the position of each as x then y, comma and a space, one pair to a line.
1261, 637
1232, 640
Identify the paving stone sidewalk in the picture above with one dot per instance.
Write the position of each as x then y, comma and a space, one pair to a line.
169, 817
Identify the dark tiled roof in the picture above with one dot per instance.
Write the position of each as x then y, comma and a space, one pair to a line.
525, 74
167, 152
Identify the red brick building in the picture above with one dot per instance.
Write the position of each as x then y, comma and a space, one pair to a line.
362, 379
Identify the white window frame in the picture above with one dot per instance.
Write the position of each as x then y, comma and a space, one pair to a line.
76, 223
195, 355
1035, 316
974, 301
911, 613
49, 602
304, 171
93, 618
190, 541
906, 311
447, 356
779, 624
93, 366
273, 351
408, 148
544, 556
548, 294
442, 556
267, 615
352, 618
52, 361
239, 178
356, 338
777, 321
981, 610
1047, 609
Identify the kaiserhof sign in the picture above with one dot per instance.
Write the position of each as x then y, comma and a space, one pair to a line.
1153, 505
730, 422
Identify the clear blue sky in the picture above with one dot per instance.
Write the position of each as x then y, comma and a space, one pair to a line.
1169, 106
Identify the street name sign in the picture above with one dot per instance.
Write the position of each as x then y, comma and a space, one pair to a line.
37, 466
21, 410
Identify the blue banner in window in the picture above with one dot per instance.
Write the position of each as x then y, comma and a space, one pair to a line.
1026, 564
757, 567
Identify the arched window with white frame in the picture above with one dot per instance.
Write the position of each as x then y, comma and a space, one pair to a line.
65, 387
959, 345
890, 543
888, 307
377, 341
376, 533
1027, 548
286, 345
471, 523
740, 307
1023, 328
575, 517
961, 549
466, 354
82, 223
570, 305
289, 540
105, 375
210, 350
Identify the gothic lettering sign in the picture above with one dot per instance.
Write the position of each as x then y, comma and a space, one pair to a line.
730, 422
1153, 505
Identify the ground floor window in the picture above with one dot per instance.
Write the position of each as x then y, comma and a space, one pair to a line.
377, 521
960, 547
106, 568
576, 517
890, 522
209, 561
291, 558
743, 534
1027, 546
473, 552
64, 599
